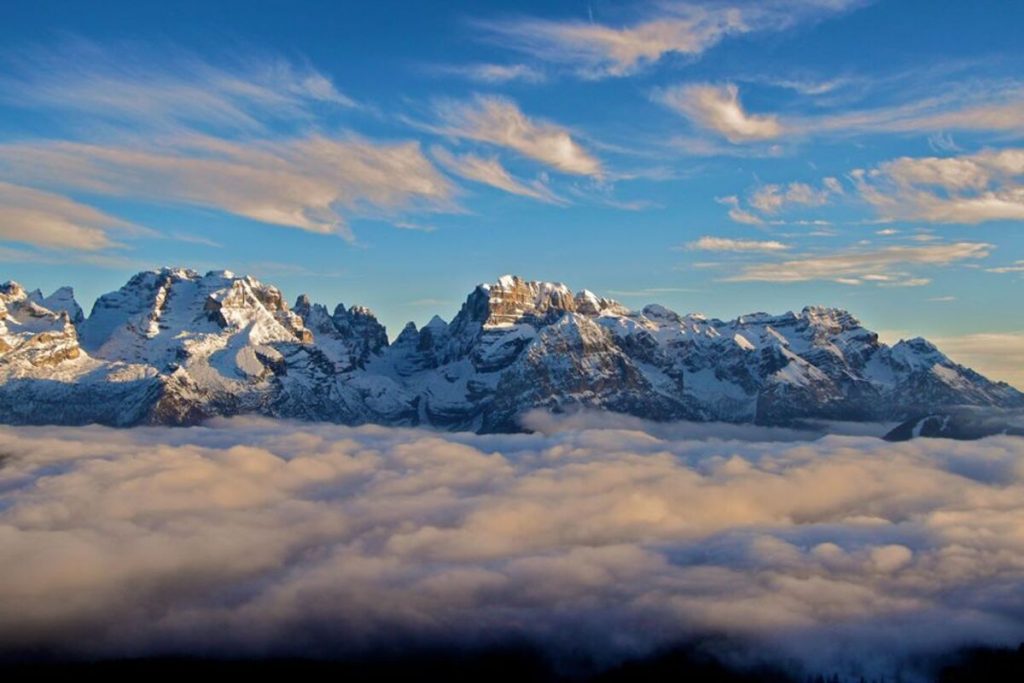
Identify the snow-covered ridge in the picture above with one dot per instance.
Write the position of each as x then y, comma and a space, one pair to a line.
173, 346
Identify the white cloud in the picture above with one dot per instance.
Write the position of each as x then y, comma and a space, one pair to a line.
169, 89
809, 86
169, 127
707, 243
718, 108
489, 171
961, 110
498, 121
49, 220
306, 183
883, 265
999, 355
596, 50
971, 188
737, 213
772, 198
496, 73
253, 536
1017, 267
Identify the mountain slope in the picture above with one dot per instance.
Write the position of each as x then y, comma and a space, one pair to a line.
176, 347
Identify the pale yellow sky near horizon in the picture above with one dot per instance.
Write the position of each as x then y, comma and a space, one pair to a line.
997, 355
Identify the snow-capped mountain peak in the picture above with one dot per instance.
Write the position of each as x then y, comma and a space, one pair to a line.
173, 346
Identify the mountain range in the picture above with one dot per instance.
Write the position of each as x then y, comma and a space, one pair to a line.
175, 347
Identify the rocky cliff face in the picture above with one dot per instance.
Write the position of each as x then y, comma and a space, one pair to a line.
176, 347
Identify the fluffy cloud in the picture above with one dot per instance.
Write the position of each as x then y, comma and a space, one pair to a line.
718, 108
499, 121
971, 188
49, 220
597, 50
855, 265
737, 213
489, 171
303, 183
261, 537
772, 198
725, 244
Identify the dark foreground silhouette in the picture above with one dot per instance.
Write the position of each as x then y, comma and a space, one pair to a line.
678, 665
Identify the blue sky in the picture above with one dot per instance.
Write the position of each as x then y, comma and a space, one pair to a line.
714, 157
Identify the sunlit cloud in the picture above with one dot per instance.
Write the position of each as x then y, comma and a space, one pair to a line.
737, 213
967, 111
299, 539
883, 266
170, 89
499, 121
176, 129
718, 108
489, 171
50, 220
597, 50
772, 198
1017, 267
707, 243
494, 73
307, 183
971, 188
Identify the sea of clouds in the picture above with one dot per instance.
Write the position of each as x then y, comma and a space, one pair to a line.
253, 537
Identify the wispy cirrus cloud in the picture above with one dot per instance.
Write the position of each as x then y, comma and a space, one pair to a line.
309, 183
489, 171
596, 50
50, 220
884, 266
493, 73
499, 121
234, 137
171, 89
718, 108
1017, 267
708, 243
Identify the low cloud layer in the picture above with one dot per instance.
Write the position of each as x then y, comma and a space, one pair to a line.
253, 536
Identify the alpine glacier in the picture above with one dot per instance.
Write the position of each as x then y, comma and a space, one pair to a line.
175, 347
